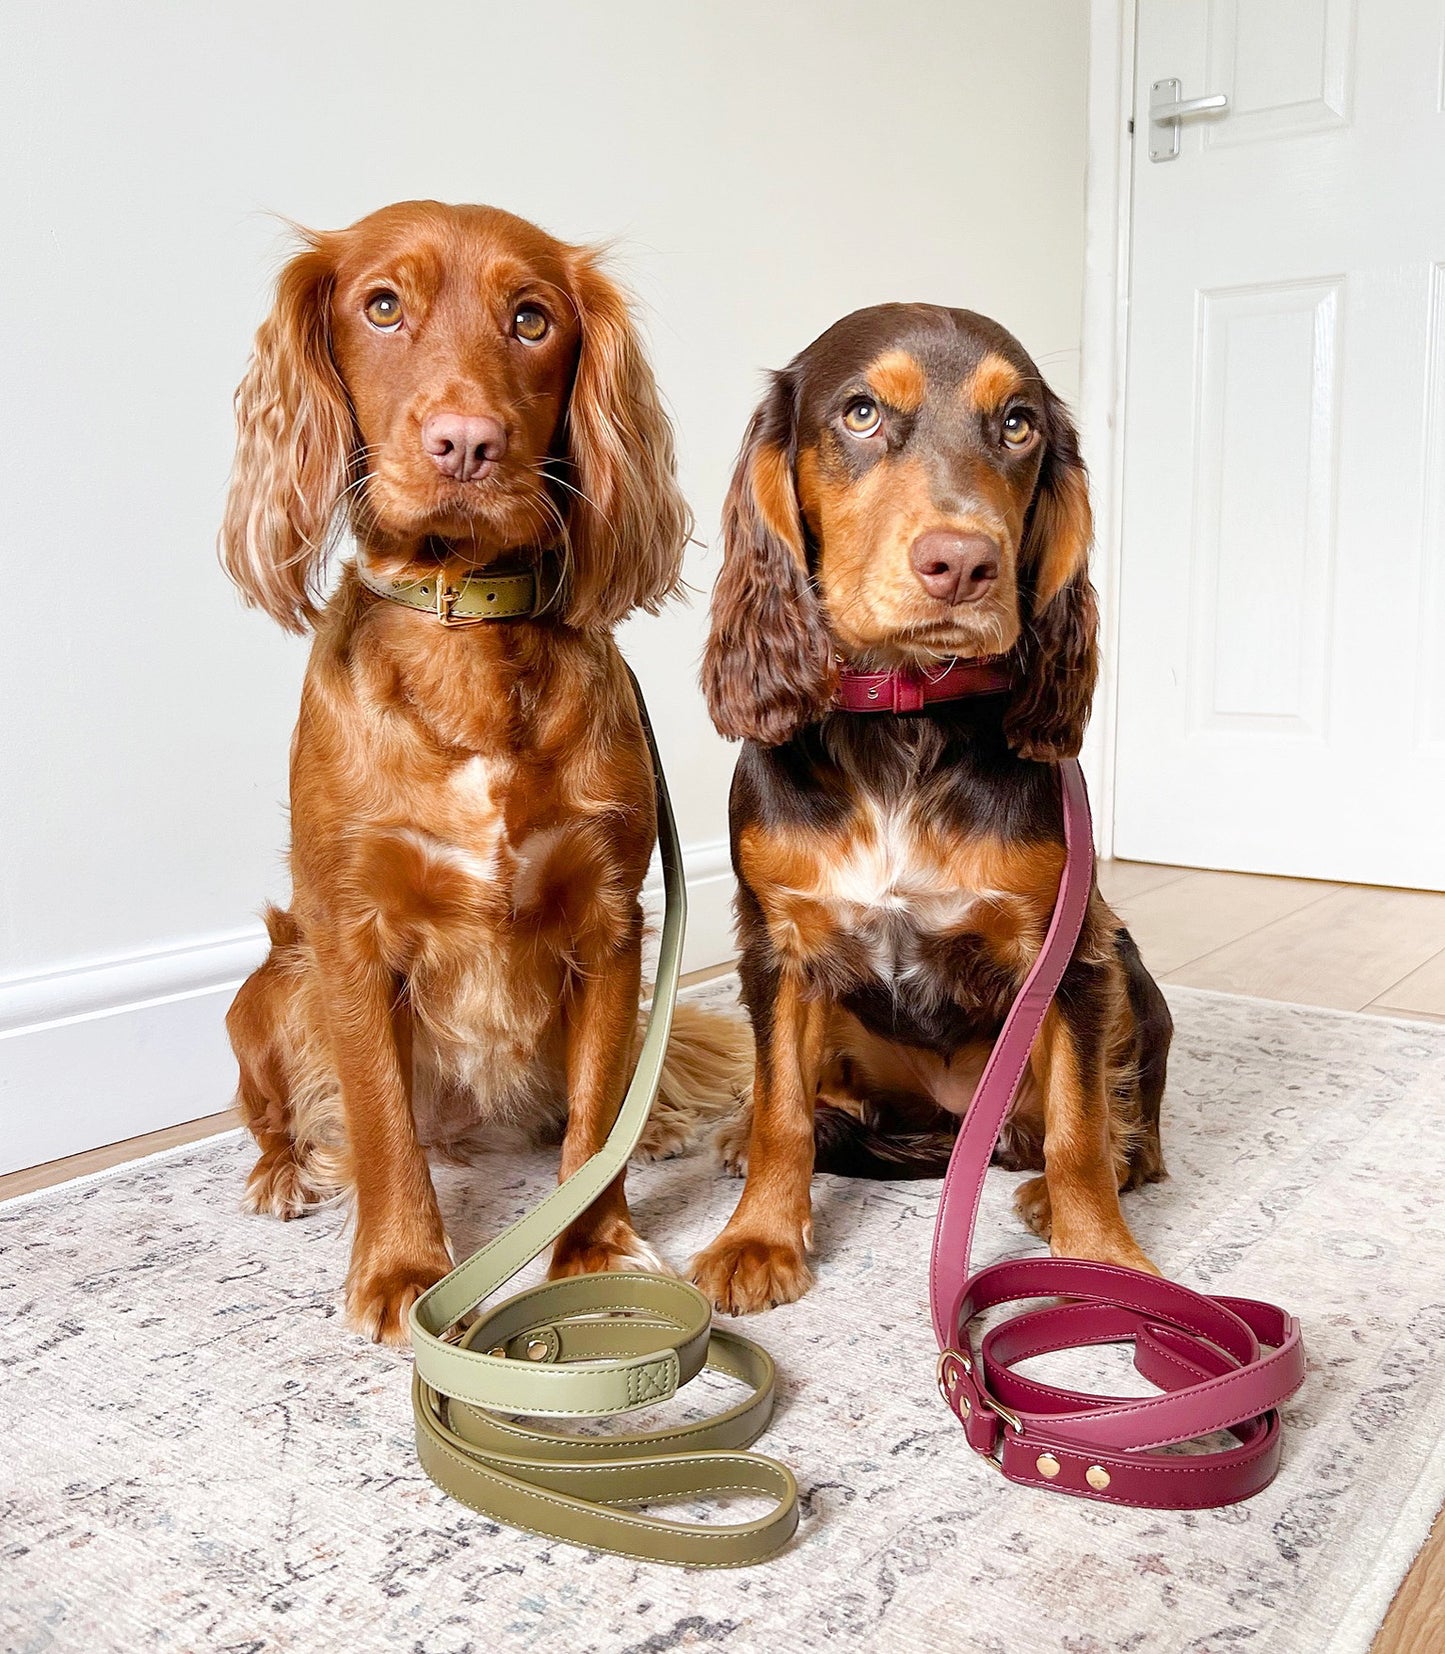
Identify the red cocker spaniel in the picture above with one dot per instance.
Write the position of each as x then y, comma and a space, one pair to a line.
471, 804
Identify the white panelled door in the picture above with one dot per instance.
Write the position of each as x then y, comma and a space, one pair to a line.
1282, 597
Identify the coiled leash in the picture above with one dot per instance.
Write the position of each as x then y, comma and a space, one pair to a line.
595, 1345
1206, 1354
607, 1344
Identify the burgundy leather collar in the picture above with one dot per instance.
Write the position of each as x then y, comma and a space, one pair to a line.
910, 688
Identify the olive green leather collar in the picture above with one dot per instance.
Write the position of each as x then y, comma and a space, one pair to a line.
481, 595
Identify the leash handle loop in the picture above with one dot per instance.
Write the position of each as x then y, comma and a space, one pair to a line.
1205, 1353
592, 1345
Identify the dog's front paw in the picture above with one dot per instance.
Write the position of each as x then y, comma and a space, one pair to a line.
617, 1246
741, 1274
1097, 1239
380, 1293
1102, 1247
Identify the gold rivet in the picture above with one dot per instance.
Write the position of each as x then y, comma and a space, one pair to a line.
498, 1349
536, 1349
1047, 1465
1097, 1477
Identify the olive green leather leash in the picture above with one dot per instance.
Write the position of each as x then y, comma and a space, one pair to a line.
593, 1345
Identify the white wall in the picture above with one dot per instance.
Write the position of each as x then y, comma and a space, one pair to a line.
762, 168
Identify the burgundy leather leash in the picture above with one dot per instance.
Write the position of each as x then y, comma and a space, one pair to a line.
1206, 1354
1220, 1363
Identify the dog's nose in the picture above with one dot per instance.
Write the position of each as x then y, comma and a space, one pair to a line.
463, 445
954, 568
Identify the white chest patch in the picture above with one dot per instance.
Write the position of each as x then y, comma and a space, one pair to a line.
476, 780
889, 890
474, 840
534, 857
478, 861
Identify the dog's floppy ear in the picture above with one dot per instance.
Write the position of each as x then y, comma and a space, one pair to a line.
768, 668
627, 520
1057, 653
295, 434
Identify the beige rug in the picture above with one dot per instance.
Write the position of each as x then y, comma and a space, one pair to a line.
198, 1455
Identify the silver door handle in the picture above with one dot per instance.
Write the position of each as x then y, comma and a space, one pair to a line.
1167, 109
1187, 106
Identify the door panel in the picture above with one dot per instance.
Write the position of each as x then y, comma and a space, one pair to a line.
1286, 66
1265, 512
1282, 601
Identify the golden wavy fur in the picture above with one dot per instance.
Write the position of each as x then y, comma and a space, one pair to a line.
472, 810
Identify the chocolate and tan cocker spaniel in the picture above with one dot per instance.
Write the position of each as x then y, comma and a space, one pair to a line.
909, 494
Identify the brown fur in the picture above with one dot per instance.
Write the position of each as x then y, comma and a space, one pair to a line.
760, 1258
897, 874
818, 528
472, 810
769, 661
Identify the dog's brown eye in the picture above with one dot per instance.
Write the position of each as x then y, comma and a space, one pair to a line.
530, 325
862, 416
1017, 430
383, 311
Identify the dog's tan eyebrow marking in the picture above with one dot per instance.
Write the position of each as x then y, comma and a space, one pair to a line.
992, 382
899, 380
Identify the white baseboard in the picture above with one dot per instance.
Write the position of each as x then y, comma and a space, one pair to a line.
708, 869
100, 1052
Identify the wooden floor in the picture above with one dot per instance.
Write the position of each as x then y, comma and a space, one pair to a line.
1352, 947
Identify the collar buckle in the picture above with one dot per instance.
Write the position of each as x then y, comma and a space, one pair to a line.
447, 598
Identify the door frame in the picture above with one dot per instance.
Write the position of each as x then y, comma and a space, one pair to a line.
1103, 365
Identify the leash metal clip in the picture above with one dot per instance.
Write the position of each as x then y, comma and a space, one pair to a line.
1009, 1417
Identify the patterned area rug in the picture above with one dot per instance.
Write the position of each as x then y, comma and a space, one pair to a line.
198, 1455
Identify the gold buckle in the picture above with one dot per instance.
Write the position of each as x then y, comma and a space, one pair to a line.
447, 597
986, 1402
965, 1365
1015, 1423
